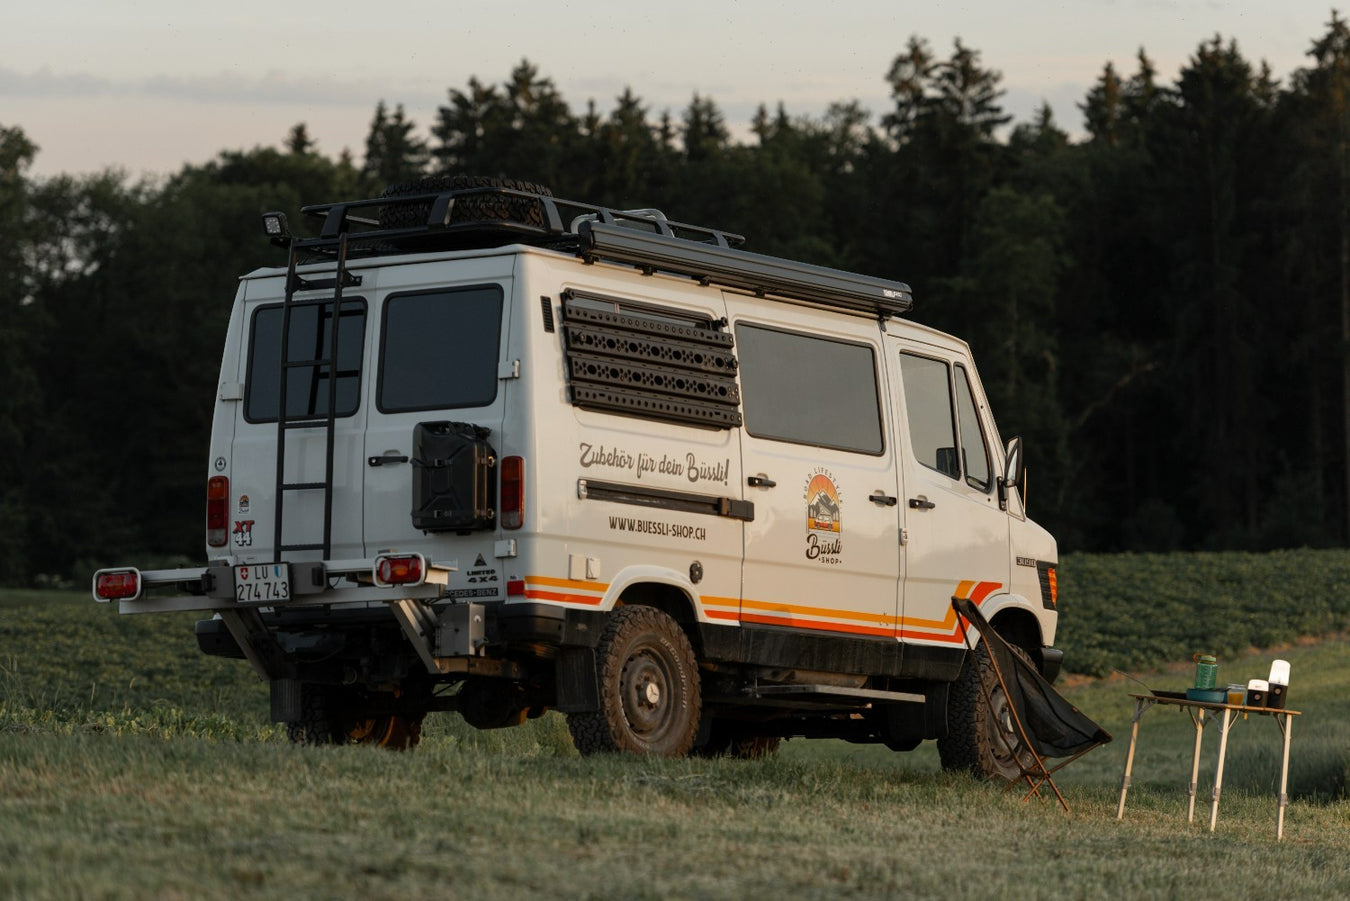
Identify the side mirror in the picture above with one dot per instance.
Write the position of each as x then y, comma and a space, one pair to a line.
1015, 472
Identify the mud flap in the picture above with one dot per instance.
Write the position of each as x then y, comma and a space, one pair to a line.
578, 691
286, 706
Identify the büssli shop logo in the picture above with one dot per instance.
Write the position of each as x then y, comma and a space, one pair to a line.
824, 518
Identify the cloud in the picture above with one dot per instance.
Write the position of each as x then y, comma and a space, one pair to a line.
271, 87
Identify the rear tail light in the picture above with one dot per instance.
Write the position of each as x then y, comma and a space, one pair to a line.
217, 511
513, 492
117, 584
400, 569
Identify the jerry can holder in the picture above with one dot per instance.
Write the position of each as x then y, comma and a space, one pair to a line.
452, 478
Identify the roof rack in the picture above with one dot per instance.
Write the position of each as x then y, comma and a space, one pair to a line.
494, 216
485, 216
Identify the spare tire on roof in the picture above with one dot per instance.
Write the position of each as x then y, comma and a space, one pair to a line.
478, 207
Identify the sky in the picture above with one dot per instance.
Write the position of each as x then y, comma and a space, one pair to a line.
149, 85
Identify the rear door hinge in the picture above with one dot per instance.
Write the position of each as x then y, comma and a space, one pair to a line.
509, 370
231, 391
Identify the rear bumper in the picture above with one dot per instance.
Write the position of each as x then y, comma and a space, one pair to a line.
506, 626
313, 584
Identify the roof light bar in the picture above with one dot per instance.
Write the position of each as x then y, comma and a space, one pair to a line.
756, 273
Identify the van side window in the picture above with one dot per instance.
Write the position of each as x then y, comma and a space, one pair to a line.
928, 402
439, 349
306, 386
809, 390
974, 446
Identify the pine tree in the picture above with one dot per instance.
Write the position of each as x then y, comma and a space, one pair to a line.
393, 153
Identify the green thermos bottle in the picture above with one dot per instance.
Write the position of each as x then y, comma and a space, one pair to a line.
1206, 670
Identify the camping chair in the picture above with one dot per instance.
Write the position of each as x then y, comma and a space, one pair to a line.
1045, 722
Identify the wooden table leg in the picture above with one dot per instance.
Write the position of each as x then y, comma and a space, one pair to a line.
1218, 771
1139, 709
1286, 723
1199, 719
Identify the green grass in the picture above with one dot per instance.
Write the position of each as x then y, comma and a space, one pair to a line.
132, 766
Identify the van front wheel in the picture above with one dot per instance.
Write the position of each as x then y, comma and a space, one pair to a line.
649, 688
981, 738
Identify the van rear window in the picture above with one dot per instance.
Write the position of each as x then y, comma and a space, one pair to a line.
306, 386
439, 349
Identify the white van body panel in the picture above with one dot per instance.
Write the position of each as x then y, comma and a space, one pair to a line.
791, 480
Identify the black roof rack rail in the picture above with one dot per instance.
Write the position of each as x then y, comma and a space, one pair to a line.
493, 216
409, 221
753, 272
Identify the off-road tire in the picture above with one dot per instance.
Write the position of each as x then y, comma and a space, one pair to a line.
725, 741
480, 207
973, 743
397, 732
329, 716
650, 697
316, 725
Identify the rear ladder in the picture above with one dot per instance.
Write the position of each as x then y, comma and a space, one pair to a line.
316, 363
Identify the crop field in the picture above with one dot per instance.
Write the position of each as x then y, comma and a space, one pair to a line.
131, 766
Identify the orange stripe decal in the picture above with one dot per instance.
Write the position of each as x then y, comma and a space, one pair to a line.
797, 616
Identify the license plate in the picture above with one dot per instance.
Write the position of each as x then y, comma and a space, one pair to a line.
262, 583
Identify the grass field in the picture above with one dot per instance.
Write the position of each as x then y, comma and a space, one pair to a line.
131, 766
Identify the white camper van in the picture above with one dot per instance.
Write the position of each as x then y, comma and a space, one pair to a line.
485, 450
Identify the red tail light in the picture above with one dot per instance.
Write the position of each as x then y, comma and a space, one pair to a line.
513, 492
401, 569
117, 584
217, 511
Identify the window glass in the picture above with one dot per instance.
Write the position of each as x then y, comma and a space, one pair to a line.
306, 386
439, 349
928, 403
974, 448
809, 390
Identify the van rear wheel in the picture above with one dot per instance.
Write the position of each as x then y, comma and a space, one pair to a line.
331, 716
725, 740
396, 732
650, 696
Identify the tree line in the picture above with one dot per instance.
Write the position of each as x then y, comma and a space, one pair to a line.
1161, 308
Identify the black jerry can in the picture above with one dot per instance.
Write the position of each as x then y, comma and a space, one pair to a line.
453, 480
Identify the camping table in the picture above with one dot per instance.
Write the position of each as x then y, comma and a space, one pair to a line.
1202, 713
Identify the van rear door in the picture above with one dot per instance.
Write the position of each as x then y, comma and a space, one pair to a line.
252, 462
435, 413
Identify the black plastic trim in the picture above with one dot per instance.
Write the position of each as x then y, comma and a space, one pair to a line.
666, 499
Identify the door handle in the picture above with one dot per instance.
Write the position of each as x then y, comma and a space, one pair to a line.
389, 459
760, 482
921, 503
881, 498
